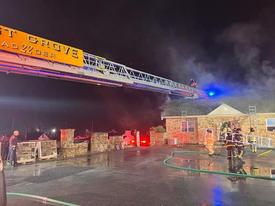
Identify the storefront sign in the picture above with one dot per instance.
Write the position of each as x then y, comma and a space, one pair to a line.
15, 41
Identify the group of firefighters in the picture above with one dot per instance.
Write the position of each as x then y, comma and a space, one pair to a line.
233, 139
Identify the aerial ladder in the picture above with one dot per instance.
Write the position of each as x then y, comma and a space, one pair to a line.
252, 111
93, 70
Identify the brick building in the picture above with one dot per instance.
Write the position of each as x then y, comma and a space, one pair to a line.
190, 129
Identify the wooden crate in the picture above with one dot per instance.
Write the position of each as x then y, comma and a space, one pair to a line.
99, 148
66, 136
117, 142
26, 152
68, 152
99, 142
81, 148
47, 150
99, 138
74, 149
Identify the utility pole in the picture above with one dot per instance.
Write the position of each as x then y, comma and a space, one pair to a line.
92, 125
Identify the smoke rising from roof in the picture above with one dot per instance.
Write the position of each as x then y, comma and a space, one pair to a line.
243, 66
225, 43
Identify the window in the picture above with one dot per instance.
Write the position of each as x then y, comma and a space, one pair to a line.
270, 125
188, 126
184, 126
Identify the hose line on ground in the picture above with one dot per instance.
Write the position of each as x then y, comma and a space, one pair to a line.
264, 153
43, 199
167, 164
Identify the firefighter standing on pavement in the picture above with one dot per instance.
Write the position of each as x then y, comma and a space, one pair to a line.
252, 140
209, 142
229, 143
238, 137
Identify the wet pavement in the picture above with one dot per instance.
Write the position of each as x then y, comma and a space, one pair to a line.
137, 177
254, 166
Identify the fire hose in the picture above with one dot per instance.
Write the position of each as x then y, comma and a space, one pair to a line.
44, 200
167, 163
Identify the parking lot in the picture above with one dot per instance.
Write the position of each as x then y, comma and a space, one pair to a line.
137, 176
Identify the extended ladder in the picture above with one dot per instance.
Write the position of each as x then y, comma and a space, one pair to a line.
252, 111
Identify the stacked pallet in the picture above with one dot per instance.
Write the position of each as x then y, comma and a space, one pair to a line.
67, 143
68, 151
81, 148
68, 147
67, 137
74, 150
157, 135
112, 144
47, 149
99, 142
26, 152
116, 142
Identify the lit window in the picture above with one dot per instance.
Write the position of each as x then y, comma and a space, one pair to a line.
270, 125
188, 126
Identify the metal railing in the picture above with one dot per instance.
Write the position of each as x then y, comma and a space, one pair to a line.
98, 64
96, 70
262, 142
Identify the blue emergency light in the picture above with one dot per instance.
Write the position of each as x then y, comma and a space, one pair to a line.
211, 93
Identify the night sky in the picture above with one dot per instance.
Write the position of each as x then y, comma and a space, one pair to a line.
226, 43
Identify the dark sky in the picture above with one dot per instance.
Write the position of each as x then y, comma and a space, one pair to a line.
225, 42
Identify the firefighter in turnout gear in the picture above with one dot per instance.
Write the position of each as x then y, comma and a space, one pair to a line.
209, 142
229, 143
252, 140
238, 137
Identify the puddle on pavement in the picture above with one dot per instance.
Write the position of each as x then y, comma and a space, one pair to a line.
252, 165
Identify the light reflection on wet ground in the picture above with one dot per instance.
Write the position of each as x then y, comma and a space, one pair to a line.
252, 165
138, 177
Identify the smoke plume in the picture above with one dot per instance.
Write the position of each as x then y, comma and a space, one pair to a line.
243, 67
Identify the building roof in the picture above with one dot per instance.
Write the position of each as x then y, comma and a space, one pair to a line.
221, 110
225, 109
202, 107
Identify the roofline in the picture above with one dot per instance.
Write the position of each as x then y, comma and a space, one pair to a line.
192, 116
236, 111
228, 115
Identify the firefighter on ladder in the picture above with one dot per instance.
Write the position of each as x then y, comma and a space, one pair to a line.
209, 142
252, 140
193, 83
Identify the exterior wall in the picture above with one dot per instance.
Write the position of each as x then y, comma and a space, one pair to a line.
174, 130
174, 126
214, 123
261, 130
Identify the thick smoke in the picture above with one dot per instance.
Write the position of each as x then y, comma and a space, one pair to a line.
248, 42
244, 66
